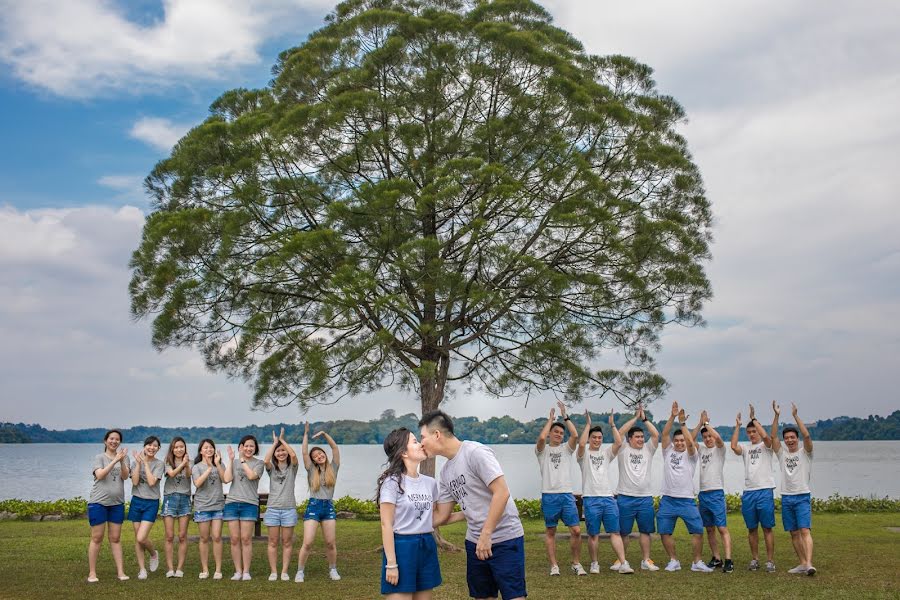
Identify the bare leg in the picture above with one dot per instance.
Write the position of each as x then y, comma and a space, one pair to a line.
593, 547
726, 541
423, 595
287, 548
753, 538
797, 543
769, 536
713, 542
217, 543
142, 540
97, 532
309, 536
169, 524
645, 546
668, 543
138, 547
550, 543
234, 533
247, 543
697, 542
329, 531
615, 540
182, 541
204, 528
115, 546
575, 543
808, 545
272, 548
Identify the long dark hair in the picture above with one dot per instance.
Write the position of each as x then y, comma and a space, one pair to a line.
199, 458
170, 455
394, 446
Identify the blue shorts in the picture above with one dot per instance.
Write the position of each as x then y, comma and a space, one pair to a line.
176, 505
202, 516
503, 572
758, 508
99, 514
319, 509
713, 509
601, 509
280, 517
638, 508
671, 509
240, 511
142, 509
796, 511
559, 506
417, 559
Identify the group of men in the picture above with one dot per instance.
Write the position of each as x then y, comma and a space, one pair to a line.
632, 501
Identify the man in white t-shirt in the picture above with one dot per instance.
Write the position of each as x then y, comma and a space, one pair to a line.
713, 509
680, 461
758, 499
472, 478
796, 497
557, 496
596, 496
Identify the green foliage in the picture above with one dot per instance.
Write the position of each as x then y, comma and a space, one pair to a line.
361, 508
70, 508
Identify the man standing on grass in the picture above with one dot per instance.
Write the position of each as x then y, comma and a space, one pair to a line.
472, 478
796, 501
758, 500
680, 460
713, 510
633, 494
557, 498
597, 497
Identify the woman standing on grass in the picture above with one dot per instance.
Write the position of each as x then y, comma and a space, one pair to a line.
208, 475
145, 477
281, 514
176, 503
321, 475
242, 505
106, 505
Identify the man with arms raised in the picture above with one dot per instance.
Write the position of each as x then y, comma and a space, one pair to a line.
557, 498
472, 478
713, 510
633, 493
758, 499
796, 502
597, 497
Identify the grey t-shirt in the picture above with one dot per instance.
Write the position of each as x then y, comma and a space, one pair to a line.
323, 493
208, 496
464, 479
281, 486
180, 484
244, 489
413, 509
109, 491
143, 489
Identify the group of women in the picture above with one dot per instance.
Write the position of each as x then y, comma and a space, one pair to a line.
211, 508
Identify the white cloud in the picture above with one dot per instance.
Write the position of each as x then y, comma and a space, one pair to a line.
121, 182
159, 133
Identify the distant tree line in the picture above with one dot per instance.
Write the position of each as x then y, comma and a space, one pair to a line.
496, 430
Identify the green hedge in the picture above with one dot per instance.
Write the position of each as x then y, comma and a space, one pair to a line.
529, 508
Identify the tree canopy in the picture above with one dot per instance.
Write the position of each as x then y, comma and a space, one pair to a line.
430, 192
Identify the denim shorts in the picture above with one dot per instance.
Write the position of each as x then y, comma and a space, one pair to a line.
318, 509
280, 517
176, 505
202, 516
240, 511
99, 514
417, 561
142, 509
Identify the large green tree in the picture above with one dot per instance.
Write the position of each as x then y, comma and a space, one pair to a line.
430, 192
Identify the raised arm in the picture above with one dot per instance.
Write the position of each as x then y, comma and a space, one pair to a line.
654, 433
617, 436
287, 447
585, 433
776, 443
807, 439
688, 438
696, 430
335, 452
623, 430
735, 447
570, 426
267, 459
304, 449
704, 422
667, 428
767, 439
545, 431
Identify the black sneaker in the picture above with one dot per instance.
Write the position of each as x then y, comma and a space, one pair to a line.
714, 563
728, 566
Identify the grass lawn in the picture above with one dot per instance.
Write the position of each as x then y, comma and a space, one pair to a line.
857, 556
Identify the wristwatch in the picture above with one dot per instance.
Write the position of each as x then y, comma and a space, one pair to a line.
566, 418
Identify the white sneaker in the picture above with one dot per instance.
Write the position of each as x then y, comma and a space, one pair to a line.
798, 570
154, 562
615, 566
142, 574
554, 570
179, 573
298, 578
245, 577
770, 567
649, 565
170, 573
701, 567
273, 576
203, 575
595, 567
674, 565
236, 577
333, 573
285, 577
217, 575
578, 569
626, 569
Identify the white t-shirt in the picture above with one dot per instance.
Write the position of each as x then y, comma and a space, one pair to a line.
634, 469
594, 471
414, 507
464, 479
678, 472
795, 470
758, 474
556, 468
712, 464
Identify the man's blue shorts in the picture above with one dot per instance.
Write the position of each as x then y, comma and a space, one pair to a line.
758, 508
503, 572
319, 509
671, 509
796, 511
142, 509
417, 559
636, 508
713, 510
559, 506
601, 509
100, 513
240, 511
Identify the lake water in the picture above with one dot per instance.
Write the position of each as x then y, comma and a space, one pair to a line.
52, 471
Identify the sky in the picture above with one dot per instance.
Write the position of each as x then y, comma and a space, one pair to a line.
793, 118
